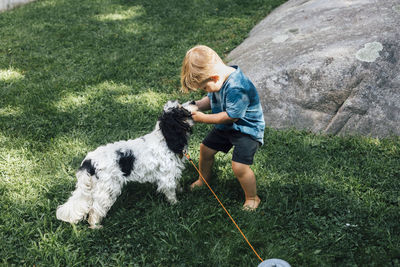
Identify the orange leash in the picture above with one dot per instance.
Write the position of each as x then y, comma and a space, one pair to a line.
237, 226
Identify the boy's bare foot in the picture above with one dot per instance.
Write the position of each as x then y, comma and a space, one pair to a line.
198, 183
251, 204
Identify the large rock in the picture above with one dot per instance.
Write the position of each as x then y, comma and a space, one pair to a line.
327, 66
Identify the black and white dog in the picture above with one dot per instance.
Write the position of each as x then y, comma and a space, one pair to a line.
156, 157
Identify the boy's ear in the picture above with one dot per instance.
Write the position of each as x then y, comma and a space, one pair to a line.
214, 78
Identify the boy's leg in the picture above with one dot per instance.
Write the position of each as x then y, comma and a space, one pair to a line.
205, 164
247, 180
215, 141
242, 158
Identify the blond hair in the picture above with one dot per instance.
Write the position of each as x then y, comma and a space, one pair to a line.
198, 67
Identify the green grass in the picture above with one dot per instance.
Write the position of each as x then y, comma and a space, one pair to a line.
78, 74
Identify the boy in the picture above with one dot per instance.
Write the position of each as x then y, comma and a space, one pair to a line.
236, 113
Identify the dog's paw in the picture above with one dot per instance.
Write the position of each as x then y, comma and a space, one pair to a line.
97, 226
172, 201
179, 188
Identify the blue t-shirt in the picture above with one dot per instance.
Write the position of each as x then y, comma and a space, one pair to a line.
239, 98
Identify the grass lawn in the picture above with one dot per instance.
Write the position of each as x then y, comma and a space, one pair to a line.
78, 74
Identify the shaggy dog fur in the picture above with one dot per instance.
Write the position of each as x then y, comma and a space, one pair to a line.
156, 158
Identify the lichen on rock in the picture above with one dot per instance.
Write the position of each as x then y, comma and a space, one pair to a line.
370, 52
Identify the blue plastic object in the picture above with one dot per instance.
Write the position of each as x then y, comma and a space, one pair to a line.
274, 263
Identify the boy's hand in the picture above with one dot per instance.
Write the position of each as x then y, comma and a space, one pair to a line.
198, 116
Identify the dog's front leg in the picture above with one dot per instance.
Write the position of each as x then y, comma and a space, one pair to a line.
168, 191
171, 195
179, 188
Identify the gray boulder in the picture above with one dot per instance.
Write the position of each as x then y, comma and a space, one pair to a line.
327, 66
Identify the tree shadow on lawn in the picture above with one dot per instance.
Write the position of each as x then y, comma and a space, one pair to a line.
304, 218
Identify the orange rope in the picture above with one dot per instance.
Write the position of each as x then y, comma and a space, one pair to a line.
237, 226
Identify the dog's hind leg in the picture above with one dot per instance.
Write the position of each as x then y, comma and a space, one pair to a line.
104, 196
94, 219
78, 205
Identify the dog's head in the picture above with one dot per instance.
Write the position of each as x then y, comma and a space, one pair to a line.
176, 124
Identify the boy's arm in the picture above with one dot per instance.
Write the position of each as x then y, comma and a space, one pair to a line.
203, 104
218, 118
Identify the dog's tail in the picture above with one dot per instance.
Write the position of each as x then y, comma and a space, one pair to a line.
80, 203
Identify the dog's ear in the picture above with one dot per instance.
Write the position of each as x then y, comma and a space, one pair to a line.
175, 128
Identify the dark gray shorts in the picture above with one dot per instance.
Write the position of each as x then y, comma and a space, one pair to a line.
244, 146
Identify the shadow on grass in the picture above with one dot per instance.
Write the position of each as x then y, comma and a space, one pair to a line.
306, 217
